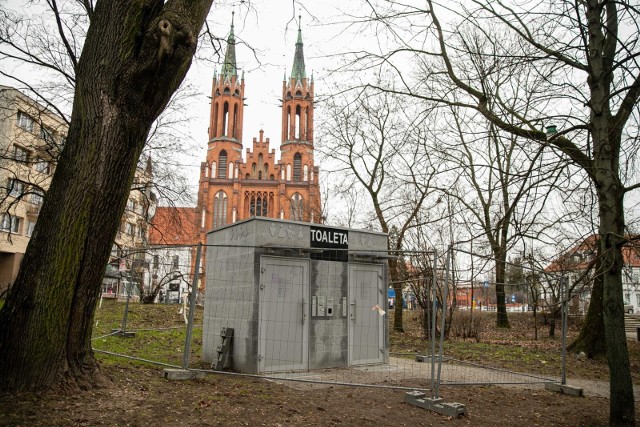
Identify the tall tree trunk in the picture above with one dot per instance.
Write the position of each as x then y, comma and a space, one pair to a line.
502, 321
611, 230
399, 300
134, 57
591, 339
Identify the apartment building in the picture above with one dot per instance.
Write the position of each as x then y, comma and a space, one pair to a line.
31, 137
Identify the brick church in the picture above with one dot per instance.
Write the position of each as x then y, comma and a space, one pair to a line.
232, 188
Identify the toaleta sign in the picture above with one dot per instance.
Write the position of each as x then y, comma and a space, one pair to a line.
336, 243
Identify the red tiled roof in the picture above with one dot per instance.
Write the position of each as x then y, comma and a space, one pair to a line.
579, 257
173, 226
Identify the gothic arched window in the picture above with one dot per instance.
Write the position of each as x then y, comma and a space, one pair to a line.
297, 208
222, 166
297, 167
219, 209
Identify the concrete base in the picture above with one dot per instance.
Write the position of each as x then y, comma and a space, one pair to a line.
181, 374
424, 358
125, 334
564, 389
418, 398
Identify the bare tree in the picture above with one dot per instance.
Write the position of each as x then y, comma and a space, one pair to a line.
501, 184
586, 82
378, 143
133, 59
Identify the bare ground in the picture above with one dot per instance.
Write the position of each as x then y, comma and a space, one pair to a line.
140, 396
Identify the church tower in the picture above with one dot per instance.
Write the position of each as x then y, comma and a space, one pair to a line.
232, 188
297, 141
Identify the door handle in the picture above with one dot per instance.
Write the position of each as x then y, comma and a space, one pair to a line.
304, 311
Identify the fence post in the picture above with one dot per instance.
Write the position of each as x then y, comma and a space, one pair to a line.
123, 327
445, 292
432, 333
192, 309
564, 289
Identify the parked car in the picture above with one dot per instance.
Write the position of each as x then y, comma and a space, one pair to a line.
628, 308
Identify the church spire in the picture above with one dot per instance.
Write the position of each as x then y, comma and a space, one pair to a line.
229, 66
297, 71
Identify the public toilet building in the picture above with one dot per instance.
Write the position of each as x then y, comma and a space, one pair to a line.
298, 296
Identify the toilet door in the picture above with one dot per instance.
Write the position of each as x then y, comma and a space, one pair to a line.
366, 327
283, 317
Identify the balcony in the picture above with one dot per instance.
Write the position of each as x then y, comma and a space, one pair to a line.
34, 209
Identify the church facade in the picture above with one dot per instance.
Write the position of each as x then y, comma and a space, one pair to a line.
233, 188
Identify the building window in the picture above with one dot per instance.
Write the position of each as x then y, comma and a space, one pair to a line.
297, 167
20, 154
259, 206
129, 229
131, 205
219, 209
37, 198
15, 187
46, 134
25, 121
31, 225
222, 164
297, 209
156, 262
10, 223
43, 166
176, 262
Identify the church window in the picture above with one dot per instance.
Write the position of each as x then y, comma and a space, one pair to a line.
260, 175
234, 130
215, 119
298, 122
297, 167
219, 209
259, 206
225, 118
297, 209
222, 167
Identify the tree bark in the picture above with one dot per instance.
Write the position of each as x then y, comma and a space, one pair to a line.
134, 57
591, 339
502, 321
